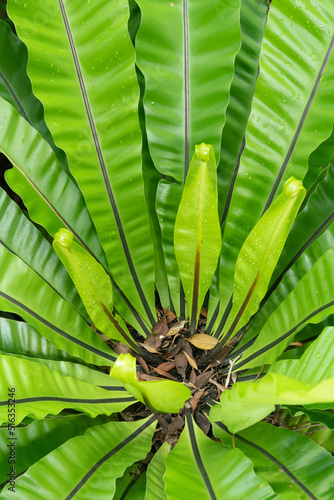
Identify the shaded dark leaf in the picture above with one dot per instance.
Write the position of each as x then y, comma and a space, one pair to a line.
159, 331
202, 422
203, 378
181, 364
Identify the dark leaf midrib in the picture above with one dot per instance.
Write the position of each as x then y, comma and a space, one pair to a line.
186, 119
271, 458
14, 96
299, 128
295, 138
56, 329
198, 459
103, 167
278, 340
97, 401
106, 457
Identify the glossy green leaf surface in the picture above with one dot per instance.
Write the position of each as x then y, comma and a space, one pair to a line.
303, 248
93, 285
104, 451
308, 380
133, 488
23, 339
23, 292
288, 283
317, 215
15, 86
260, 252
286, 119
197, 238
39, 438
200, 468
24, 240
252, 23
308, 474
149, 392
87, 56
169, 194
155, 485
310, 302
172, 52
53, 200
315, 365
180, 50
40, 391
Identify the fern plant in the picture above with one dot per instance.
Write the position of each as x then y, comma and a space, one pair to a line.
167, 278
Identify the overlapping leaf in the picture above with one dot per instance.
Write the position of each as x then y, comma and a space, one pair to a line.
87, 58
50, 433
199, 467
40, 391
308, 380
290, 117
23, 292
180, 50
24, 240
310, 302
197, 238
303, 475
104, 451
149, 392
15, 86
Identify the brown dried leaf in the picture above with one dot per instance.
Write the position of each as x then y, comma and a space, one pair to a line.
176, 349
202, 422
187, 348
148, 348
203, 341
176, 328
163, 423
120, 348
170, 316
195, 399
191, 360
167, 366
143, 364
192, 378
181, 364
176, 425
204, 312
143, 376
159, 332
203, 378
163, 373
